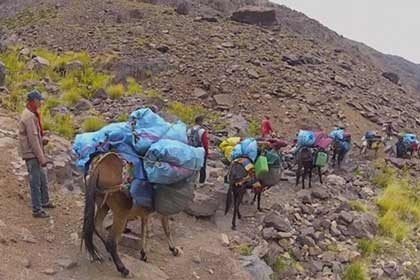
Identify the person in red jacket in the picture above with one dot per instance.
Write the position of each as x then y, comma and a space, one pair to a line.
197, 136
266, 128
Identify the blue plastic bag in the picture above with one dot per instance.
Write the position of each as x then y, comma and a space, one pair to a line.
168, 161
337, 134
149, 128
142, 192
409, 138
86, 144
306, 138
247, 148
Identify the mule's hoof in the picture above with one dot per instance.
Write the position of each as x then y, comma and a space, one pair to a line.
260, 210
143, 256
233, 227
125, 272
176, 251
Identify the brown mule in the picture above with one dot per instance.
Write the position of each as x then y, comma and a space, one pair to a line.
104, 189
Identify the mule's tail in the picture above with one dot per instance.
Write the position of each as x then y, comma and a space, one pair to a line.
89, 216
229, 199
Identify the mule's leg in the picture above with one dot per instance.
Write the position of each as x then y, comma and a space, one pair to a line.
303, 177
119, 222
298, 172
310, 176
239, 202
259, 202
235, 208
254, 199
320, 174
167, 230
144, 233
99, 220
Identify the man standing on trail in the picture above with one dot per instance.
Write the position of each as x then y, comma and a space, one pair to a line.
266, 128
31, 148
197, 137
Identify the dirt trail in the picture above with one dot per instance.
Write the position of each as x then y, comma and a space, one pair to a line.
34, 249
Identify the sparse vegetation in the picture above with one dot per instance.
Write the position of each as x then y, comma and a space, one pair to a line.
399, 205
61, 124
186, 113
80, 81
357, 206
133, 87
253, 128
244, 249
355, 271
122, 117
115, 91
91, 124
369, 247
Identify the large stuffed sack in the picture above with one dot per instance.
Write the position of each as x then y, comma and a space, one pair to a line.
173, 199
261, 167
148, 128
337, 134
86, 144
227, 146
271, 178
248, 148
305, 138
409, 138
169, 162
273, 158
322, 140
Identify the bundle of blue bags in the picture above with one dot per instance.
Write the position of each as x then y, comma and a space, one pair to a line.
157, 150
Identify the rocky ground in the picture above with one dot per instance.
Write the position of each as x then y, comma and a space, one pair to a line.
301, 234
196, 55
203, 58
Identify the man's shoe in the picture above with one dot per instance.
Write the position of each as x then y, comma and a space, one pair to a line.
40, 214
48, 206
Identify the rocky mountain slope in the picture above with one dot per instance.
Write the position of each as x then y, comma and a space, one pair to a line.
208, 59
192, 52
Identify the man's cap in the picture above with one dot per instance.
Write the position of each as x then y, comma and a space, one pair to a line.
34, 95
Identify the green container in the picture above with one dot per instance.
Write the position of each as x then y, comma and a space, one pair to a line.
261, 166
321, 159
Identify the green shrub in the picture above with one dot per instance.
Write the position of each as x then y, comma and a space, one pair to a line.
115, 91
91, 124
61, 124
368, 247
357, 206
253, 128
244, 249
122, 117
72, 96
392, 225
355, 271
186, 113
133, 87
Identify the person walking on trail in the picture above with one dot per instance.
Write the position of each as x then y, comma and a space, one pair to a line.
197, 136
266, 128
31, 148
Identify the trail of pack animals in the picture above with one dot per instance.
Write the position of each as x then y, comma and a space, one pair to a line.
148, 165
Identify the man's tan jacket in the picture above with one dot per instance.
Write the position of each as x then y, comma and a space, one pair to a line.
30, 138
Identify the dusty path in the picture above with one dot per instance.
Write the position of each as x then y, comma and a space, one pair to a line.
38, 249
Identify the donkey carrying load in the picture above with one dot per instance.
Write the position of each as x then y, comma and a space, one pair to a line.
105, 190
241, 176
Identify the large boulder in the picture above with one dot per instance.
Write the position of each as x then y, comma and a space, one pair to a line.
203, 205
257, 15
256, 267
139, 69
364, 226
277, 222
394, 78
38, 63
184, 8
